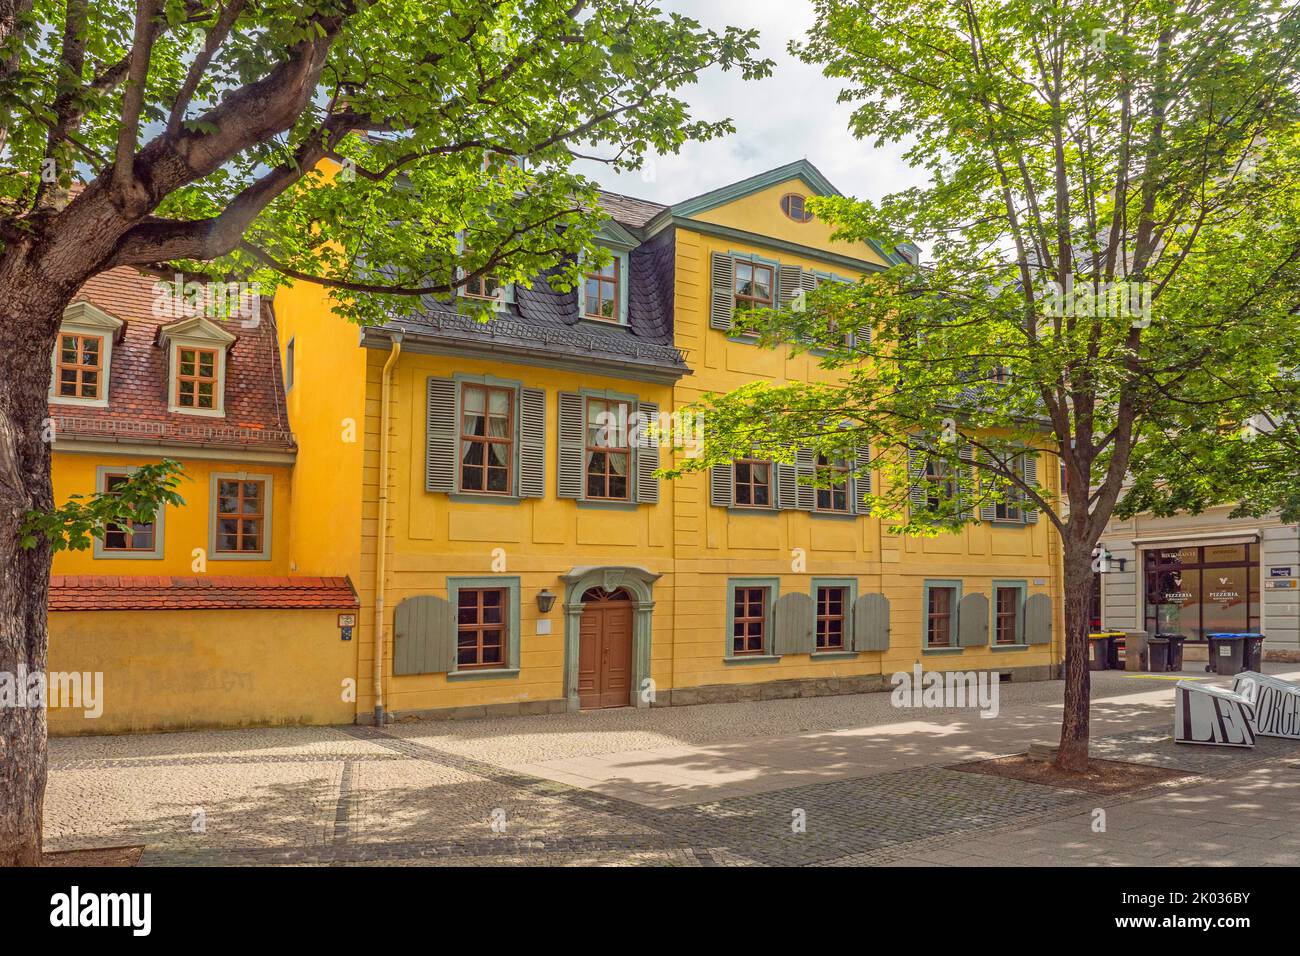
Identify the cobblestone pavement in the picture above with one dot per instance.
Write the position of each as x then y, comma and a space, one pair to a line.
856, 783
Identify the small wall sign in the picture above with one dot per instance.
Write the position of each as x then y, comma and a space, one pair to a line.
1280, 584
347, 620
1279, 573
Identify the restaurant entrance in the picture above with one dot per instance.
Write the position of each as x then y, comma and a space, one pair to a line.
1202, 589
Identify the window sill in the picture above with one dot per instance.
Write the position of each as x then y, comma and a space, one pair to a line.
1010, 647
753, 510
835, 515
753, 659
470, 497
600, 505
833, 655
484, 673
942, 650
619, 325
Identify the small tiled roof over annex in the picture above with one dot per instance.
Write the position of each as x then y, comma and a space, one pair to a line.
137, 410
547, 321
210, 593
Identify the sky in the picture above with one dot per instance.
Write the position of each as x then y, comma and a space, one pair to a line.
793, 114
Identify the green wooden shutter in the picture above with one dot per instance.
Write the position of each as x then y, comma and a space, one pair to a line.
973, 621
789, 282
871, 623
647, 456
722, 303
424, 636
787, 486
806, 465
532, 443
794, 618
721, 488
966, 481
988, 510
1038, 620
1031, 476
862, 480
440, 436
916, 478
572, 446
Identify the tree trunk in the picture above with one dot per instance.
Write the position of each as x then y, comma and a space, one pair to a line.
30, 309
1073, 753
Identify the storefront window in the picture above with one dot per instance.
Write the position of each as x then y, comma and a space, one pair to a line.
1202, 590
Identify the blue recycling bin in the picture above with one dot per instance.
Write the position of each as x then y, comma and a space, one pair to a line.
1232, 652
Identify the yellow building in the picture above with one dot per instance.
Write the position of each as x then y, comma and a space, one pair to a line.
205, 616
512, 549
488, 491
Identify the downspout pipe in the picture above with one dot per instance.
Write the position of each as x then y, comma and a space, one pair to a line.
381, 538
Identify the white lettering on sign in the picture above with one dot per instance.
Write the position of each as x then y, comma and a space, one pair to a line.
1276, 702
1213, 716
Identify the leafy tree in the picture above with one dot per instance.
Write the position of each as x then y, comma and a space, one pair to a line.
197, 130
1114, 218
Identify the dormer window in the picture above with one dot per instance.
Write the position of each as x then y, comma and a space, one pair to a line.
482, 287
83, 353
602, 292
196, 366
80, 365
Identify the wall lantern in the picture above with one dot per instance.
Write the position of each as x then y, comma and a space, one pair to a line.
545, 601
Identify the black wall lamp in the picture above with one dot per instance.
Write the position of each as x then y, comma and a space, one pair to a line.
545, 600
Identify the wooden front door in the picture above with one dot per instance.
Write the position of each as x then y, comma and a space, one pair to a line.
605, 651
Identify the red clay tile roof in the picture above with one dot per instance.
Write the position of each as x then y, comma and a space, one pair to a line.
137, 388
145, 593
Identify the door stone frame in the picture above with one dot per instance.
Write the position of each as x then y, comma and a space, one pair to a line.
639, 583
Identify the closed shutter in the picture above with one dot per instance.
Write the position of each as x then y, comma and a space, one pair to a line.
1038, 620
532, 443
871, 623
722, 304
440, 437
973, 621
424, 636
787, 486
789, 282
647, 456
808, 281
988, 510
916, 478
806, 466
794, 617
1031, 476
572, 446
721, 489
862, 480
966, 482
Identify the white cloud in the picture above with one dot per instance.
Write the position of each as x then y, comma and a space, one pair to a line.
790, 115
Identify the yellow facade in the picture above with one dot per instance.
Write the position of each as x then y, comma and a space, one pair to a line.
694, 547
676, 557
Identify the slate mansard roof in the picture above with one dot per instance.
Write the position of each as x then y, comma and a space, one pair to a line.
546, 324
